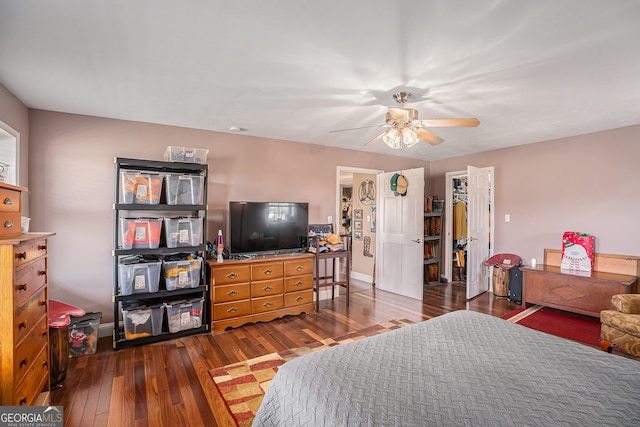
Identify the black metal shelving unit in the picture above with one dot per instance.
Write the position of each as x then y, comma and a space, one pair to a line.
141, 210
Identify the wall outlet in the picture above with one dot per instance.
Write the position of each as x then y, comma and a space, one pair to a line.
329, 219
507, 218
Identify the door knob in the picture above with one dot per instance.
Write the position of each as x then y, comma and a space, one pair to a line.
416, 240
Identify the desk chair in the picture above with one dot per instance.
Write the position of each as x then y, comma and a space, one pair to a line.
331, 263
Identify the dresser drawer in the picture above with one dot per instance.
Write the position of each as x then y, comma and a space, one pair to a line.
294, 268
10, 200
10, 225
267, 287
227, 310
29, 314
272, 270
28, 390
29, 280
26, 253
232, 274
298, 298
28, 349
234, 292
292, 284
261, 305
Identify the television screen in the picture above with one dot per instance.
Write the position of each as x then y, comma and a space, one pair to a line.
271, 227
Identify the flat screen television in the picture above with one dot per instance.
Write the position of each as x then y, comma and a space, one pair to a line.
268, 227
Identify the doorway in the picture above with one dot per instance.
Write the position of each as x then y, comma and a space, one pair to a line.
358, 183
469, 226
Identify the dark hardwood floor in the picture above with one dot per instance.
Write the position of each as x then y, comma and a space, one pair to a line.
167, 384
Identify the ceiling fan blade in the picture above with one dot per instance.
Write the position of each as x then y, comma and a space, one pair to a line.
375, 139
434, 123
363, 127
429, 137
398, 114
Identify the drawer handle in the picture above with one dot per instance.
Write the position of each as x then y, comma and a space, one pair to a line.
267, 304
267, 272
232, 310
21, 255
299, 267
299, 299
22, 287
232, 293
44, 334
43, 303
44, 364
42, 247
299, 283
232, 275
23, 401
23, 362
22, 324
42, 273
267, 288
8, 201
8, 224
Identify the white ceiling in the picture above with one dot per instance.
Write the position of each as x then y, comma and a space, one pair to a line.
294, 70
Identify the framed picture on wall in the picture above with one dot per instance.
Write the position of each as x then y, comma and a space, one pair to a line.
357, 214
357, 235
357, 225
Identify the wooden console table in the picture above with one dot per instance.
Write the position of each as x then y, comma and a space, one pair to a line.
547, 285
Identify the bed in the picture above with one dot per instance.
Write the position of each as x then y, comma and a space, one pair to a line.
461, 368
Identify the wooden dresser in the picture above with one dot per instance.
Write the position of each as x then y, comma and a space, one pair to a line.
260, 289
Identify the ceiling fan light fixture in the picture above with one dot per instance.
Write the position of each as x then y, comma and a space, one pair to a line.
409, 137
393, 139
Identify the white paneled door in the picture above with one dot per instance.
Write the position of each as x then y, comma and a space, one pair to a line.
479, 228
400, 246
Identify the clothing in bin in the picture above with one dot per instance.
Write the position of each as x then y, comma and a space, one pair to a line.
83, 334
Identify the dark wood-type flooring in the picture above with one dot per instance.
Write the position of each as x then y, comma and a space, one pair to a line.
167, 384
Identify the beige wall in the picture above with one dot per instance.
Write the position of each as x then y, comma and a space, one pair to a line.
72, 186
362, 265
586, 183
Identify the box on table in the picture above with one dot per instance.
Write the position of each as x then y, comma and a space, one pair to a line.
139, 277
182, 273
83, 334
141, 320
184, 189
140, 188
140, 233
183, 232
185, 154
183, 315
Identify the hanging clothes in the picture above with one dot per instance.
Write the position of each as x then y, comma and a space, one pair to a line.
459, 221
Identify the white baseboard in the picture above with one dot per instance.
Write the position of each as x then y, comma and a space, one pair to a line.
362, 277
105, 330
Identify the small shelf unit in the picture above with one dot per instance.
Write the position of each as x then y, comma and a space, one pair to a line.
432, 247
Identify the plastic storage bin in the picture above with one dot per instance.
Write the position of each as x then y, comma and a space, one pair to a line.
183, 232
139, 277
183, 315
183, 189
141, 188
83, 334
142, 321
182, 274
186, 154
140, 233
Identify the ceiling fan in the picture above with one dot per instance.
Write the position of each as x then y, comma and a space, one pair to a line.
406, 129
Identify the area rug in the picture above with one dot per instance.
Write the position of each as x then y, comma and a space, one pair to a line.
576, 327
242, 385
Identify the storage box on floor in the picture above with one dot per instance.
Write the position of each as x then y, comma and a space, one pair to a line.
83, 334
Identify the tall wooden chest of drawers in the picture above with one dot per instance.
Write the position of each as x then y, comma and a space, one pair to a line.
260, 289
24, 321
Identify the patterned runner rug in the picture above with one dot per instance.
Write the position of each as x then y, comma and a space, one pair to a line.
242, 385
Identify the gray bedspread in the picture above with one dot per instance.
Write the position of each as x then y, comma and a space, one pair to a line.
458, 369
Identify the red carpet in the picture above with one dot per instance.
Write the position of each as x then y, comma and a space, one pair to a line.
575, 327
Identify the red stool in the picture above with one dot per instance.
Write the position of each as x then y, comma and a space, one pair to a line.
59, 321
